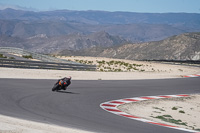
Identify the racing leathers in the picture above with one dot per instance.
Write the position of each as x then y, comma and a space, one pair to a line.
64, 82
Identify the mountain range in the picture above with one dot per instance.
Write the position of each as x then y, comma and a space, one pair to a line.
180, 47
100, 33
136, 27
43, 44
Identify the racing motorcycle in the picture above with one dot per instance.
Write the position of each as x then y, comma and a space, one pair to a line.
62, 84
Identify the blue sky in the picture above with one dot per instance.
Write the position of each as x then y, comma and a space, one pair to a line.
149, 6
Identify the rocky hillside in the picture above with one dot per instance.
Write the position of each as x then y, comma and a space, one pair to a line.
181, 47
90, 32
44, 44
137, 27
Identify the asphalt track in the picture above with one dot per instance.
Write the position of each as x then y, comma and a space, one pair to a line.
79, 106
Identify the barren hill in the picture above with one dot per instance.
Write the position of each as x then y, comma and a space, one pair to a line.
44, 44
181, 47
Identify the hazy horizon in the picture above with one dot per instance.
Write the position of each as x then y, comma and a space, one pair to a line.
140, 6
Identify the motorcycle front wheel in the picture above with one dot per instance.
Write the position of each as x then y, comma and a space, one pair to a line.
56, 86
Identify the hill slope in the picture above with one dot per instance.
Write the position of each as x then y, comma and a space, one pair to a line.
44, 44
181, 47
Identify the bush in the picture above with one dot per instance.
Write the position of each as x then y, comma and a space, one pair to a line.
171, 120
2, 56
27, 56
174, 108
11, 58
101, 70
90, 62
181, 111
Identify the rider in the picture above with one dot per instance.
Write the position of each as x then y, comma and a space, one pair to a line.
65, 82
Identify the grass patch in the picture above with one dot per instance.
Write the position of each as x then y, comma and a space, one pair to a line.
158, 108
27, 56
156, 112
181, 111
11, 58
168, 118
197, 129
180, 70
174, 108
2, 56
112, 66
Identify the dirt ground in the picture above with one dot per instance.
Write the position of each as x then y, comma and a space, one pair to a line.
182, 112
14, 125
111, 69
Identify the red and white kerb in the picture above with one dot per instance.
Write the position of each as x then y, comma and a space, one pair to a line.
111, 106
193, 75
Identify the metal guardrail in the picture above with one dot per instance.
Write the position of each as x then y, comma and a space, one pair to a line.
44, 65
41, 57
177, 61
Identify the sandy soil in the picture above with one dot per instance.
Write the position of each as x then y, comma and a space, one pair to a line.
14, 125
186, 109
144, 70
127, 65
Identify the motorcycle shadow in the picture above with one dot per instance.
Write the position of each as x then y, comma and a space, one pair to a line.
67, 92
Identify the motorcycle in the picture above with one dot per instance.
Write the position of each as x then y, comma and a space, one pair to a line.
61, 85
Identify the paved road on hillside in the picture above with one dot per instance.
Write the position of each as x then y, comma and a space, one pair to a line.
79, 106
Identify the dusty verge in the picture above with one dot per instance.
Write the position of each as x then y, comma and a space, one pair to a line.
14, 125
168, 71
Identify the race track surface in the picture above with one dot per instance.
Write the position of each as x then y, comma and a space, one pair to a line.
78, 107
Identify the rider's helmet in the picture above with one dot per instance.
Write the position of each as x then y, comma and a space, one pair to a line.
70, 77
